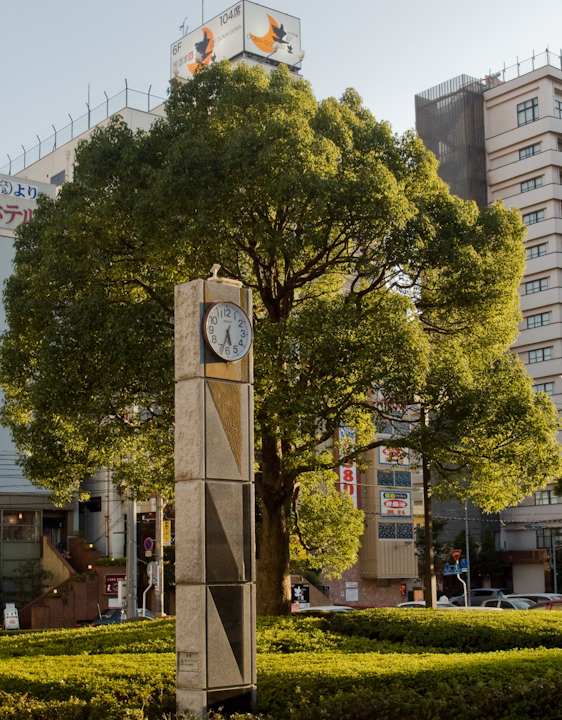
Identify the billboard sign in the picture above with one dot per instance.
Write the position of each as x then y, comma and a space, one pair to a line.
243, 27
112, 584
18, 200
348, 471
395, 503
393, 456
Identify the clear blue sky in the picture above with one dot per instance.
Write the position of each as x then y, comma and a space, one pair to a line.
388, 51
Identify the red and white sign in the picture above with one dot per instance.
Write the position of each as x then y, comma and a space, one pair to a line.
348, 471
393, 456
111, 583
395, 503
456, 555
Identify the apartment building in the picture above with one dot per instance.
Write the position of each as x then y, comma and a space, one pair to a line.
500, 138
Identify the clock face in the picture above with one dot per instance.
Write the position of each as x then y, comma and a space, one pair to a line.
228, 331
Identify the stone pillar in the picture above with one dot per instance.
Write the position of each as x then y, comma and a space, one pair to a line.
215, 558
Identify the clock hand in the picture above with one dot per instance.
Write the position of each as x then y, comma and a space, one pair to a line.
227, 336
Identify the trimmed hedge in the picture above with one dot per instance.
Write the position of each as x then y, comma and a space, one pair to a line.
453, 630
83, 686
156, 636
519, 685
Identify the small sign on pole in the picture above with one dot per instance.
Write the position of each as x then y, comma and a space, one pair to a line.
11, 617
167, 532
148, 545
456, 555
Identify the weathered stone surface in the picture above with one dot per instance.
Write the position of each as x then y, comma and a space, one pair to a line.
189, 454
190, 532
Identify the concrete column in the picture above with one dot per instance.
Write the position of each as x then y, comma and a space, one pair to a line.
215, 558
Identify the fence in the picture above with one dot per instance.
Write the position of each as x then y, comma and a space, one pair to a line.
127, 97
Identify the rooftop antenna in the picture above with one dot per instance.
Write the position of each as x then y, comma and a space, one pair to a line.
184, 28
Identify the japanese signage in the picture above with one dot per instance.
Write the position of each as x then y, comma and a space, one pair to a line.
395, 503
112, 584
300, 594
243, 27
352, 592
348, 471
18, 200
393, 456
167, 533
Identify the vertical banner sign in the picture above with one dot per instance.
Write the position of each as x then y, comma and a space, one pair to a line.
348, 471
167, 533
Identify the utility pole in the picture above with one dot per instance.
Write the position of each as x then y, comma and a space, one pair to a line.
467, 550
131, 557
159, 557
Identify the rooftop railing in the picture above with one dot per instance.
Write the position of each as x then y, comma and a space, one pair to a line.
126, 97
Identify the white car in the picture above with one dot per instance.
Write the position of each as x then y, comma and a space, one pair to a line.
325, 608
421, 604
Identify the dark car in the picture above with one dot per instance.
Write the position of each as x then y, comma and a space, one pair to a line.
547, 605
478, 595
115, 616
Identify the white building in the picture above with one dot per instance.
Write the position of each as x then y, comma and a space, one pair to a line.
501, 138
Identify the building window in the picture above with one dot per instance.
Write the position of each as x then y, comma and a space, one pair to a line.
547, 388
534, 321
540, 355
396, 531
536, 251
528, 111
529, 151
545, 537
394, 478
546, 497
20, 526
560, 175
536, 286
531, 184
534, 217
559, 143
558, 108
59, 178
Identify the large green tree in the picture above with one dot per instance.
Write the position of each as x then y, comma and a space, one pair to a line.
357, 255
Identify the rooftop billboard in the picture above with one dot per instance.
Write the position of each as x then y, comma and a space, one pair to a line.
243, 28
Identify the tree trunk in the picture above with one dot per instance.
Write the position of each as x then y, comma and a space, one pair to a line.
274, 582
276, 493
430, 581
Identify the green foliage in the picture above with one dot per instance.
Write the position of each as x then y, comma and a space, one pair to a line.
328, 524
111, 562
488, 560
29, 581
157, 636
440, 547
453, 630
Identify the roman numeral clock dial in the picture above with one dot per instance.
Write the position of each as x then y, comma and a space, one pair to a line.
227, 331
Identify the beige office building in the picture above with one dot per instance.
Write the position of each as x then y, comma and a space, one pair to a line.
500, 138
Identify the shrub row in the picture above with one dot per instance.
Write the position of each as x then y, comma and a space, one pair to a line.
92, 687
156, 636
515, 685
459, 631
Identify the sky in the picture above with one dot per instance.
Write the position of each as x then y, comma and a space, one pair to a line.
54, 51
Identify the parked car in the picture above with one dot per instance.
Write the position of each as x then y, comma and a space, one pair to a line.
547, 605
508, 603
536, 597
325, 608
478, 595
421, 604
115, 616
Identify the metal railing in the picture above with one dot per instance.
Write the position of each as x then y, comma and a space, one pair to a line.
126, 97
526, 66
